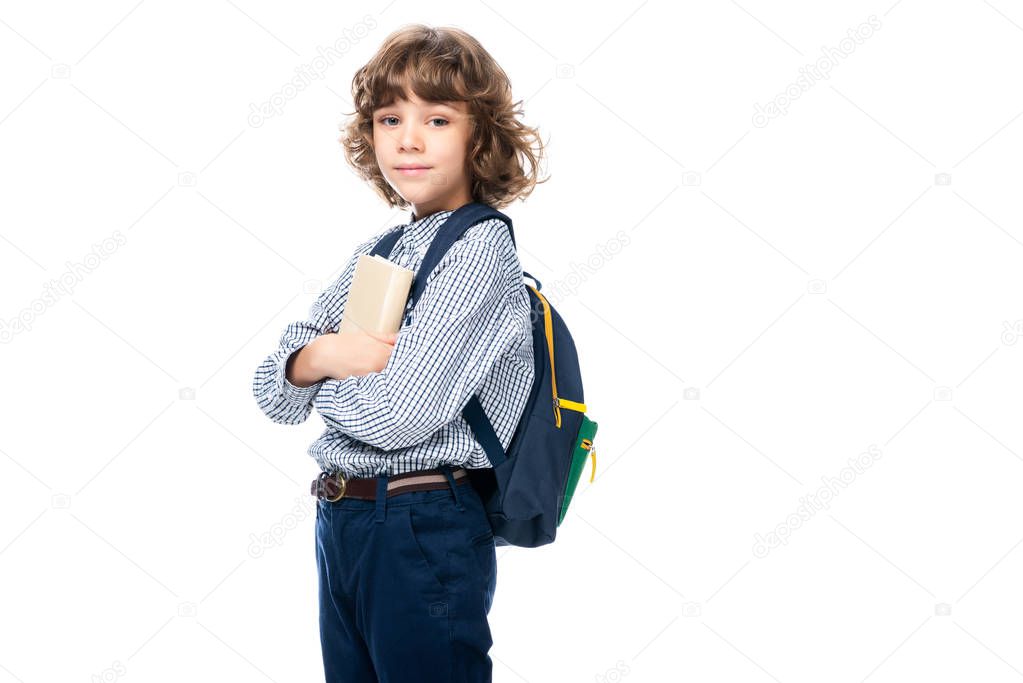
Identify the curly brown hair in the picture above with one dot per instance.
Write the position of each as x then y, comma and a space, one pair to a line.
446, 64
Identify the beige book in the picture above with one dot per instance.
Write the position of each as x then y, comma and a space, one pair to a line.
377, 297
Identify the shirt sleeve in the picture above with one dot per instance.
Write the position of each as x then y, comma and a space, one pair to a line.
459, 328
279, 399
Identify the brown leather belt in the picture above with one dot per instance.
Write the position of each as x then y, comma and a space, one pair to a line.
334, 487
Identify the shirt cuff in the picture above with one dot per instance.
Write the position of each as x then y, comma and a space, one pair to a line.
291, 392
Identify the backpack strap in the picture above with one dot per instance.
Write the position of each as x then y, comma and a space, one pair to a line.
481, 426
386, 243
450, 232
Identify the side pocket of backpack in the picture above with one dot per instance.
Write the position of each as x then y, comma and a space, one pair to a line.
583, 451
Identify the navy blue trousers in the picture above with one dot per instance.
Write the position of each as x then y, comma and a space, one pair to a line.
405, 587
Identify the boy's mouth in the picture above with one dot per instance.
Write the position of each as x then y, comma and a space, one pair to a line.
413, 170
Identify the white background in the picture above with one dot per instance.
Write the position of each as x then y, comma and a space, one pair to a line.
754, 306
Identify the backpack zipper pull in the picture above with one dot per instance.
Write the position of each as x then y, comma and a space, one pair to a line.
588, 445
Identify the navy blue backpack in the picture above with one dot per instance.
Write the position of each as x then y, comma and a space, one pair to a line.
527, 489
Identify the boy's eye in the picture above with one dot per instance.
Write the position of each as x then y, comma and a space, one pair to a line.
384, 119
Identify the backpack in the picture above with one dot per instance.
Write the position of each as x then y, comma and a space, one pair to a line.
527, 490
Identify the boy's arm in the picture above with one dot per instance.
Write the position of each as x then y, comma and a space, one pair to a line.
460, 327
279, 399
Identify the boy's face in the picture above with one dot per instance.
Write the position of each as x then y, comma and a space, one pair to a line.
421, 150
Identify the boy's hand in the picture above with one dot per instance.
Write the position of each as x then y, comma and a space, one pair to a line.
353, 353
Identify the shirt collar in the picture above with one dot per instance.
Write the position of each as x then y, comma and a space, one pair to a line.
419, 232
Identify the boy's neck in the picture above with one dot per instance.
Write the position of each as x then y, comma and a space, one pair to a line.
429, 212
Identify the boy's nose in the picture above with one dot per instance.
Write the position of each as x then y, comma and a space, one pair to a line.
409, 140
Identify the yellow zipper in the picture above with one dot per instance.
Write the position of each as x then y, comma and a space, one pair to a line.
558, 403
588, 445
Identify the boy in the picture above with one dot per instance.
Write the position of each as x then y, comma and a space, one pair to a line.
405, 553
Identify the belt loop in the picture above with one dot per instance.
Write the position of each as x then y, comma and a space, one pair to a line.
446, 469
381, 497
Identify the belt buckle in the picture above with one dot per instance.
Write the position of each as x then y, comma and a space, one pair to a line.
338, 479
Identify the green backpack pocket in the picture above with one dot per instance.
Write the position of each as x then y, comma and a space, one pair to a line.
583, 451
